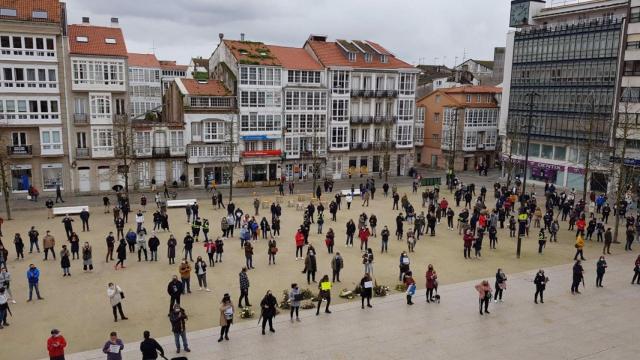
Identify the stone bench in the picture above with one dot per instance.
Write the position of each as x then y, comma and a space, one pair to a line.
180, 203
69, 210
356, 192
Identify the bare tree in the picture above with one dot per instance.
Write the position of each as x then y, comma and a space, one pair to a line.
5, 178
124, 147
624, 174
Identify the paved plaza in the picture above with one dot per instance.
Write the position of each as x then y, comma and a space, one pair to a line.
593, 325
79, 307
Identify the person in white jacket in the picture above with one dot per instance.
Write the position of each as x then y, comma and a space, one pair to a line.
142, 244
349, 199
5, 281
139, 220
115, 294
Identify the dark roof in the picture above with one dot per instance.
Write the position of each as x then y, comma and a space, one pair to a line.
485, 63
428, 73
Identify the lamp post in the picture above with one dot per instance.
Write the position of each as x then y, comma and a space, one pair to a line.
531, 95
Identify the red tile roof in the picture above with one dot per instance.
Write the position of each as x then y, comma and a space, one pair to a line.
143, 60
25, 8
205, 88
171, 65
96, 44
473, 90
331, 54
252, 53
294, 58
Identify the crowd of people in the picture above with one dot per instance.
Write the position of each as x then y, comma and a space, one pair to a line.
479, 217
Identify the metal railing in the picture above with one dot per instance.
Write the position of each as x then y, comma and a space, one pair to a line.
19, 150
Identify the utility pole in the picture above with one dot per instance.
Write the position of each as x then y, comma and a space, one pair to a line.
531, 95
314, 154
589, 148
387, 157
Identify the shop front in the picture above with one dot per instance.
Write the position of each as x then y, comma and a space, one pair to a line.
536, 171
261, 165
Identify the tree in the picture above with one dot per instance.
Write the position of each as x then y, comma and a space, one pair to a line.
5, 178
231, 144
124, 147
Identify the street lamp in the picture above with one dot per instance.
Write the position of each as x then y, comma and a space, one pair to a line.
531, 96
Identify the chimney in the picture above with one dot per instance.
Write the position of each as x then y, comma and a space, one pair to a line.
115, 22
241, 36
220, 36
85, 20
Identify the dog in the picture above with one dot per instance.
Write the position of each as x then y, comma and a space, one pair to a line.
436, 299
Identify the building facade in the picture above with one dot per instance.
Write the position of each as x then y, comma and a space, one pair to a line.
145, 86
170, 70
461, 127
371, 107
33, 115
98, 99
562, 68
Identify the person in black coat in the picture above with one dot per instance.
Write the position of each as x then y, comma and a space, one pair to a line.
149, 347
174, 289
84, 216
577, 277
154, 243
366, 292
268, 307
122, 254
601, 267
541, 283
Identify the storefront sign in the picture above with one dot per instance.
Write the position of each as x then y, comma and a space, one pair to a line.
257, 153
535, 164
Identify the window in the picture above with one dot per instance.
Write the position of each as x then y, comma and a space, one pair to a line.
100, 106
51, 177
176, 141
268, 76
268, 145
110, 41
39, 14
260, 122
98, 72
468, 98
436, 117
195, 131
305, 100
404, 136
303, 77
339, 110
635, 15
19, 138
82, 39
352, 56
213, 130
560, 153
50, 140
367, 58
420, 110
478, 98
407, 84
405, 110
102, 139
339, 137
81, 140
8, 12
384, 59
260, 99
340, 82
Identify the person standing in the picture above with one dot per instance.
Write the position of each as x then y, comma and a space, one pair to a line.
367, 260
68, 226
601, 267
33, 239
84, 216
366, 290
272, 250
149, 347
33, 277
4, 307
244, 288
201, 273
579, 247
185, 276
121, 254
55, 345
188, 246
49, 243
578, 276
154, 244
404, 265
636, 272
178, 318
325, 294
110, 240
19, 245
541, 283
5, 281
411, 288
226, 316
330, 240
501, 285
113, 347
175, 290
310, 265
171, 249
219, 249
484, 294
268, 309
115, 294
608, 239
337, 263
65, 263
295, 297
49, 205
210, 249
141, 241
432, 282
248, 254
384, 234
87, 261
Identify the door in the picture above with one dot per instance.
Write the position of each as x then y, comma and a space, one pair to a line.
143, 174
84, 179
104, 178
160, 172
160, 139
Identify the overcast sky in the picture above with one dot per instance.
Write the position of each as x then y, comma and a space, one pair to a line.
417, 31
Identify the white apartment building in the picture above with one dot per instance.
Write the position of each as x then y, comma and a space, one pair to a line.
99, 95
371, 107
33, 115
145, 87
170, 70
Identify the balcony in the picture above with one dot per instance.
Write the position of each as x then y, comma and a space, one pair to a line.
366, 145
366, 119
480, 146
391, 93
374, 93
380, 119
357, 93
82, 153
80, 119
160, 152
143, 151
355, 146
19, 150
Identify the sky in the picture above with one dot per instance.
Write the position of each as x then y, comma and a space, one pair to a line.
416, 31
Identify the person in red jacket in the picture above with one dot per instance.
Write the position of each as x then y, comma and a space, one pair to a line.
580, 225
468, 241
432, 282
55, 345
364, 237
299, 243
444, 204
